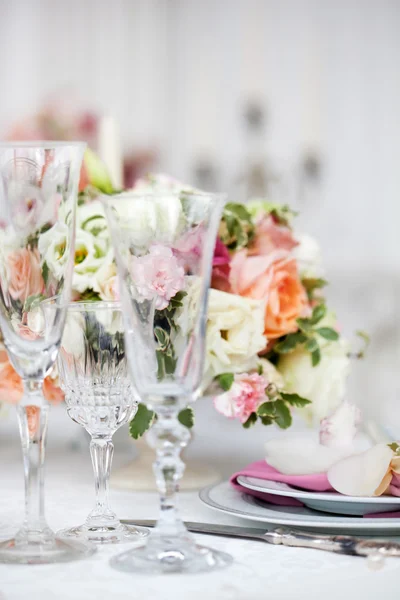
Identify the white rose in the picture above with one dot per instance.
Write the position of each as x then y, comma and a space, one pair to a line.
270, 372
308, 255
323, 384
89, 258
105, 280
234, 333
53, 248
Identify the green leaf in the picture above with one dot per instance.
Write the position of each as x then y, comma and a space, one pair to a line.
305, 325
290, 342
316, 357
186, 417
311, 344
225, 381
328, 333
141, 422
318, 313
283, 418
267, 409
162, 337
32, 301
266, 420
90, 296
395, 447
250, 421
310, 284
295, 399
45, 272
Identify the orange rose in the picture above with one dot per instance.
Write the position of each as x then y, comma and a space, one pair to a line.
275, 279
11, 386
25, 274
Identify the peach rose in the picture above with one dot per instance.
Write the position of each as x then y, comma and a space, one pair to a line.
275, 279
25, 274
51, 391
11, 386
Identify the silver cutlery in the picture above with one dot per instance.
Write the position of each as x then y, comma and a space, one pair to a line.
341, 544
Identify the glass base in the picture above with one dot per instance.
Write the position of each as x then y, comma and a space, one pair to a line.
28, 552
170, 555
106, 534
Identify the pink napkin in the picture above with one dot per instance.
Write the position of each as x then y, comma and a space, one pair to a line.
316, 483
262, 470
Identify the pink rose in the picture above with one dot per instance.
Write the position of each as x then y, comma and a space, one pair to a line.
158, 275
25, 277
271, 236
221, 268
244, 397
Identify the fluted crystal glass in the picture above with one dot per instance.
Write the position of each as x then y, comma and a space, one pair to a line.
100, 397
38, 193
164, 245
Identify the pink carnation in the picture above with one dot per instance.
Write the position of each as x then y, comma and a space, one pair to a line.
271, 236
158, 275
244, 397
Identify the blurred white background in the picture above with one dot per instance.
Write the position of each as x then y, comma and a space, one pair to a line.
309, 89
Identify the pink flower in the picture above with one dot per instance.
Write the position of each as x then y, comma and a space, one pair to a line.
271, 236
244, 397
25, 274
158, 275
221, 268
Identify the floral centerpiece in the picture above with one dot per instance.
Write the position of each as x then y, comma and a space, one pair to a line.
272, 343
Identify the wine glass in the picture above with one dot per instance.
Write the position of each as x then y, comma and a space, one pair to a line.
164, 245
99, 396
38, 192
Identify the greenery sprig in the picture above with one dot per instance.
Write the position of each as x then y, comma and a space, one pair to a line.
237, 228
308, 335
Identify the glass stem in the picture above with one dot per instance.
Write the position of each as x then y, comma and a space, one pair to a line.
101, 450
33, 412
168, 437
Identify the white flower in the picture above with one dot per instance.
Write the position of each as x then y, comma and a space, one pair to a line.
340, 428
73, 339
53, 247
234, 333
105, 280
302, 454
88, 259
308, 255
270, 372
323, 384
91, 218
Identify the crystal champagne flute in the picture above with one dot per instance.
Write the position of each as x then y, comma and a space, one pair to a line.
38, 191
164, 245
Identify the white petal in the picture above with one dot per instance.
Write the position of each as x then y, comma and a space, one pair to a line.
361, 474
301, 455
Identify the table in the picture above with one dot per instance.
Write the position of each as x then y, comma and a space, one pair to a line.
259, 572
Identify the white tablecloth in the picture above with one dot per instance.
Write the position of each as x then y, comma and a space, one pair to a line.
260, 571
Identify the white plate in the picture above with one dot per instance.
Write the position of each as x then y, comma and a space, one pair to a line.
331, 502
223, 497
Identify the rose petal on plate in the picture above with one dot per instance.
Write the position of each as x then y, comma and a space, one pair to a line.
301, 455
362, 474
